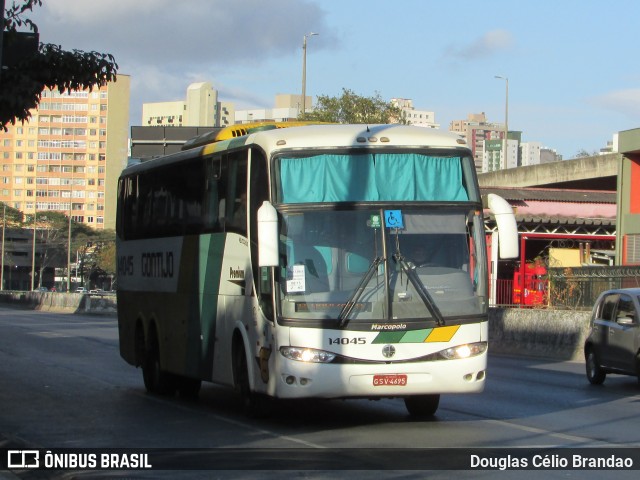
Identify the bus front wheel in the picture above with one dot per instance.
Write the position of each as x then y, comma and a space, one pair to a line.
421, 406
255, 405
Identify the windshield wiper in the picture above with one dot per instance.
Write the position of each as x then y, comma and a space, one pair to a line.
424, 294
343, 318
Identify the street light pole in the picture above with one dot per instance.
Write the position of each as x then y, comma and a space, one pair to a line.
33, 252
506, 116
69, 254
304, 71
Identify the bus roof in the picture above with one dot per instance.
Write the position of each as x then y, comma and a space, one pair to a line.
346, 136
320, 136
240, 130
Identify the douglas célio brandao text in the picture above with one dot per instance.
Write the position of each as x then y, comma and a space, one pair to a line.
551, 461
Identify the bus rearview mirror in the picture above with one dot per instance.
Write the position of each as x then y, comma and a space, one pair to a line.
267, 235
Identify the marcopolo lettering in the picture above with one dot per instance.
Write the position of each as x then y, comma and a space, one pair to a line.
157, 264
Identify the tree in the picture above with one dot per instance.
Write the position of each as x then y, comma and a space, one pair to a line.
51, 235
105, 256
52, 238
11, 217
352, 108
49, 66
584, 153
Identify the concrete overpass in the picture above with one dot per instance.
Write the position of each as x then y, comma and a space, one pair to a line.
587, 173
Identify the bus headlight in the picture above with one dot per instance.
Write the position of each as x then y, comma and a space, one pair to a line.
307, 355
464, 351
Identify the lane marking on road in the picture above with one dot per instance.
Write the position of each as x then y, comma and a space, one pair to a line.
583, 441
231, 421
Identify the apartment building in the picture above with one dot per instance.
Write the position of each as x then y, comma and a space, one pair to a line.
200, 108
68, 156
477, 130
530, 153
287, 107
419, 118
493, 156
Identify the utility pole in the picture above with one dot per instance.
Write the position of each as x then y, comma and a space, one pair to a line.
33, 253
506, 117
69, 255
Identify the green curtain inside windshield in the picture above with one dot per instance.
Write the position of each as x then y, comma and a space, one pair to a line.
371, 177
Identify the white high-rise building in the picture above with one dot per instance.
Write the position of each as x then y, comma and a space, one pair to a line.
201, 108
530, 153
419, 118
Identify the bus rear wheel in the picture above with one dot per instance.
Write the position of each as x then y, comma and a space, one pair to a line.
156, 380
422, 406
189, 388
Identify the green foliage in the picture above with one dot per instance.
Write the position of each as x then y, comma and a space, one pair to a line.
582, 153
50, 67
352, 108
12, 216
13, 16
106, 257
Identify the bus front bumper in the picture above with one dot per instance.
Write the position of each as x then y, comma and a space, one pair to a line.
312, 380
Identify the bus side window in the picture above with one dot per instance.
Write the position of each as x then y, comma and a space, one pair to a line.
236, 198
145, 203
214, 195
129, 217
187, 199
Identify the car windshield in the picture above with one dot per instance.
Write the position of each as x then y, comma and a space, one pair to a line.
350, 265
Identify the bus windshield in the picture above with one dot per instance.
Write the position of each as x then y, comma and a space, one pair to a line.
374, 176
349, 265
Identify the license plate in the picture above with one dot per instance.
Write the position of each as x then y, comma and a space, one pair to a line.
397, 380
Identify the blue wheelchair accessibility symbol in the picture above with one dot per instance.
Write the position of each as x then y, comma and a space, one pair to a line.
393, 219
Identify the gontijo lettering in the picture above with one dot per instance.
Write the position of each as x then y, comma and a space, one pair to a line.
157, 264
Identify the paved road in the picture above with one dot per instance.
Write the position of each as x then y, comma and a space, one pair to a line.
63, 385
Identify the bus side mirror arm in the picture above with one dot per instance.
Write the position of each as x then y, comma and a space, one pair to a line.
267, 235
507, 226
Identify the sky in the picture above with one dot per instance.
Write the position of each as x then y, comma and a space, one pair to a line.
572, 65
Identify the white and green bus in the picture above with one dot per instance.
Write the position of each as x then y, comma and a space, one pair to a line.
326, 261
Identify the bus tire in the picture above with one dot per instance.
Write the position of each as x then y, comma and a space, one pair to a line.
156, 380
189, 388
422, 406
255, 405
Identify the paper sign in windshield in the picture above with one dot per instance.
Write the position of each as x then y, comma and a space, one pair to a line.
295, 279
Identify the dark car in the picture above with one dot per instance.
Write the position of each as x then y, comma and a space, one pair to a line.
613, 344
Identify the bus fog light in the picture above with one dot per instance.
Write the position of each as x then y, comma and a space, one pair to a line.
304, 381
464, 351
290, 379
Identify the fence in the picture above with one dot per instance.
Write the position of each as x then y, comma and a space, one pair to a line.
578, 288
575, 288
